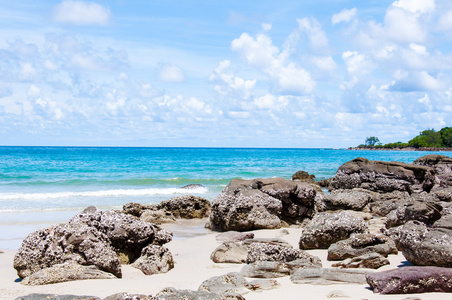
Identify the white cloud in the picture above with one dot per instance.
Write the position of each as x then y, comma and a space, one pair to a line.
262, 54
356, 63
266, 26
416, 6
228, 83
324, 63
418, 49
271, 102
316, 36
81, 13
345, 15
404, 26
170, 73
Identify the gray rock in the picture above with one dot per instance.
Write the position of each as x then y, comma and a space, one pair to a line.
136, 209
127, 296
263, 285
369, 260
424, 246
233, 236
444, 222
329, 276
274, 252
262, 204
303, 176
360, 244
276, 269
443, 168
328, 228
354, 199
230, 252
173, 294
411, 280
383, 177
233, 283
157, 216
186, 207
67, 271
383, 204
36, 296
154, 259
443, 194
92, 237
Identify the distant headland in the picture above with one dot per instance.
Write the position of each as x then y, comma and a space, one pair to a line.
427, 140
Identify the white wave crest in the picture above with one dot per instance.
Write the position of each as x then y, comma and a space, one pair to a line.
102, 193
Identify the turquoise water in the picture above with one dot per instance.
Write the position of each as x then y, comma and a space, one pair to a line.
40, 186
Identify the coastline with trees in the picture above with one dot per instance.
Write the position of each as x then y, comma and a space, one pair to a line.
427, 140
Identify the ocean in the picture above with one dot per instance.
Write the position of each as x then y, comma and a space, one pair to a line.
41, 186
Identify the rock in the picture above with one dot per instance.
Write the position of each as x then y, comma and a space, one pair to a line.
371, 260
127, 296
192, 186
154, 259
383, 177
354, 199
55, 297
383, 204
262, 204
424, 246
135, 209
417, 210
92, 237
327, 228
442, 165
231, 283
173, 294
444, 222
186, 207
443, 194
329, 276
157, 216
67, 271
275, 269
274, 252
230, 252
233, 236
337, 294
360, 244
411, 280
263, 285
303, 176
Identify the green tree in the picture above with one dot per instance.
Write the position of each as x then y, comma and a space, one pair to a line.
446, 136
427, 138
371, 141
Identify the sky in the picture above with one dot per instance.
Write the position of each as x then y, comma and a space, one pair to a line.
177, 73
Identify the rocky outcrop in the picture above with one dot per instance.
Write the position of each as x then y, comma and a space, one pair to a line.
172, 294
186, 207
154, 259
384, 177
276, 269
328, 228
383, 204
303, 176
411, 280
275, 252
262, 204
443, 168
67, 271
329, 276
354, 199
423, 246
230, 252
426, 211
371, 260
93, 237
360, 244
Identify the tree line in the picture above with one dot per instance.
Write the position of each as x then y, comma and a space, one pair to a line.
426, 139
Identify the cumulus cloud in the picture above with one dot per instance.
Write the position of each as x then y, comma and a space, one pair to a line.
81, 13
260, 52
270, 101
170, 73
345, 15
415, 6
316, 35
357, 63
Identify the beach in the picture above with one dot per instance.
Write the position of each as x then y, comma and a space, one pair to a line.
193, 266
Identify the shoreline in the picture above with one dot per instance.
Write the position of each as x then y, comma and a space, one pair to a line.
428, 149
192, 267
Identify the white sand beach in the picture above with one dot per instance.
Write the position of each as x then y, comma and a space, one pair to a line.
191, 251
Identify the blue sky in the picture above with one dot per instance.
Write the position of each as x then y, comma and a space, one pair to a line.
263, 73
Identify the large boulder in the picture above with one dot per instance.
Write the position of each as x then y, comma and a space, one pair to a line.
441, 164
383, 177
360, 244
411, 280
354, 199
328, 228
92, 237
423, 210
383, 204
186, 207
423, 246
262, 204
